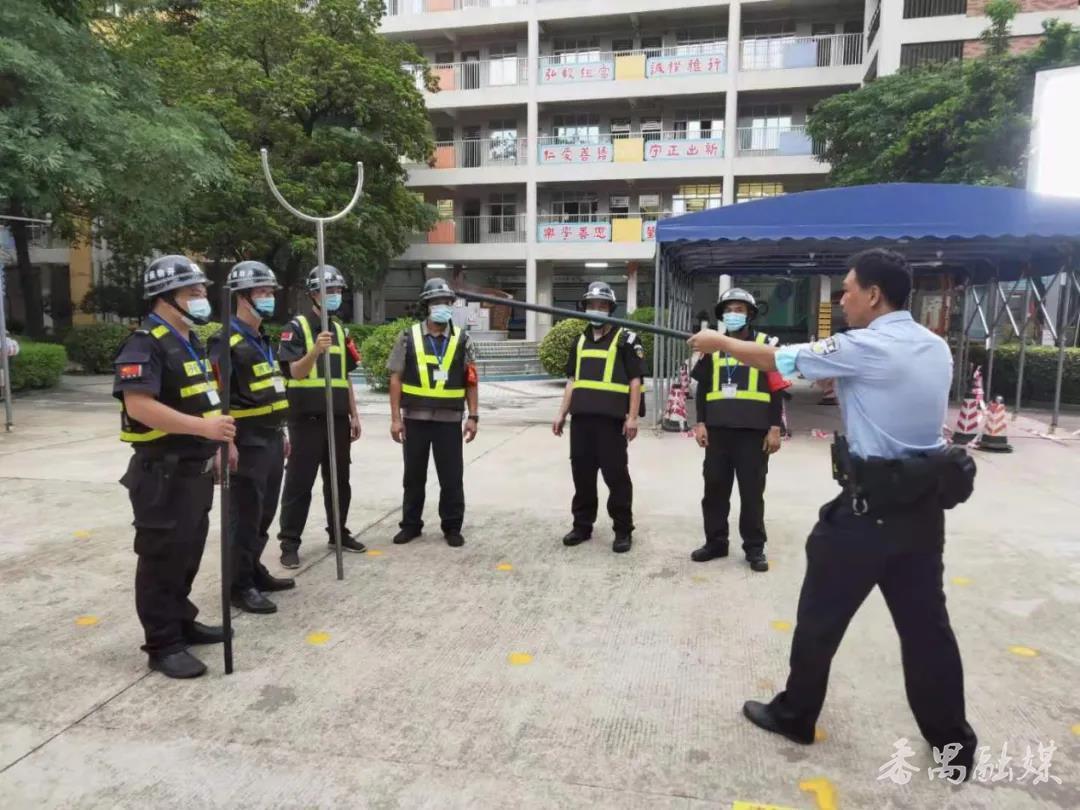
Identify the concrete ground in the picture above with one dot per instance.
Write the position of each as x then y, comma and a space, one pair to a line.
515, 672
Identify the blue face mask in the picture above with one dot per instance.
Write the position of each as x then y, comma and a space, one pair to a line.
333, 302
199, 310
734, 321
442, 313
264, 306
596, 321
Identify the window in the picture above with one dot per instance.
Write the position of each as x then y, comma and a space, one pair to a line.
503, 208
764, 43
445, 209
689, 199
653, 46
620, 128
693, 43
444, 57
699, 124
574, 206
745, 192
444, 134
503, 141
917, 54
576, 128
503, 64
620, 45
760, 126
649, 205
619, 205
575, 50
651, 127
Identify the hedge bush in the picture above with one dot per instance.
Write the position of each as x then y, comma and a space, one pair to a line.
95, 345
375, 351
556, 345
37, 365
1040, 372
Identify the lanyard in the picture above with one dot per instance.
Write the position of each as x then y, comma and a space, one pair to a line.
254, 340
445, 343
185, 343
728, 368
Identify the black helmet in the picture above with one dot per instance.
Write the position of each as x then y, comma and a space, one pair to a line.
600, 291
330, 273
436, 288
249, 275
736, 294
169, 273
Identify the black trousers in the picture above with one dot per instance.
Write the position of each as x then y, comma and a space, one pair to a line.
310, 453
597, 443
172, 517
256, 488
847, 555
735, 454
444, 441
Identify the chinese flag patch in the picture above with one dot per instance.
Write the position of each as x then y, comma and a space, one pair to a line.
131, 371
286, 335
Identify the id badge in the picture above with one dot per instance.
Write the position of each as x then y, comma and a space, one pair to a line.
727, 390
439, 375
279, 385
215, 400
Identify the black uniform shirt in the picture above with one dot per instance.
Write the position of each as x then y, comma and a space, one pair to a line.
631, 353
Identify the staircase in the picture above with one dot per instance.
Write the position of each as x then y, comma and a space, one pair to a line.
510, 359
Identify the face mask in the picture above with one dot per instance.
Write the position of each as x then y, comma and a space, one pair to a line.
595, 321
333, 302
734, 321
442, 313
264, 306
199, 310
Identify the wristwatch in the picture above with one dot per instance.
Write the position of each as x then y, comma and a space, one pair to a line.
474, 417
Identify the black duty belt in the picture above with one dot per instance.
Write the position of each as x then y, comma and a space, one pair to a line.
188, 467
880, 484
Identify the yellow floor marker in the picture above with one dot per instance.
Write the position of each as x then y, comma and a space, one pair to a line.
504, 567
699, 579
1076, 729
823, 790
1023, 652
82, 534
781, 625
86, 621
318, 639
374, 552
820, 736
961, 581
519, 659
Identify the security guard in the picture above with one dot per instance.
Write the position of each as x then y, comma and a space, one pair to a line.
300, 355
738, 423
259, 404
887, 527
605, 371
432, 379
171, 415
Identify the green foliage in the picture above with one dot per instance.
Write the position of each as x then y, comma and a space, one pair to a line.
1040, 373
963, 122
94, 346
37, 365
555, 347
646, 315
375, 351
318, 85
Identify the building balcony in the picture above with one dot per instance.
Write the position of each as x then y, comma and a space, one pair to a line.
615, 74
575, 9
489, 83
487, 237
630, 157
596, 236
472, 160
801, 61
404, 17
777, 150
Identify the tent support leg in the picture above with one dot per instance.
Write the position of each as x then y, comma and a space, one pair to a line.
1062, 338
1023, 349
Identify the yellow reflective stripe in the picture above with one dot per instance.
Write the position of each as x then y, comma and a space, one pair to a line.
260, 385
757, 396
751, 392
423, 360
609, 354
159, 331
245, 413
150, 435
318, 383
193, 369
596, 385
434, 393
200, 388
261, 369
235, 339
309, 342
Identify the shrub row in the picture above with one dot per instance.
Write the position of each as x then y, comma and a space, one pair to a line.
37, 365
1040, 372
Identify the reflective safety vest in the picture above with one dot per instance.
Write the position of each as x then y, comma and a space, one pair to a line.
748, 406
601, 384
259, 397
427, 381
306, 395
187, 386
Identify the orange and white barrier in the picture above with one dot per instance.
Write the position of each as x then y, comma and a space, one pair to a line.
994, 437
674, 419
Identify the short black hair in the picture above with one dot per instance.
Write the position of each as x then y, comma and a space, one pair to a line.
885, 269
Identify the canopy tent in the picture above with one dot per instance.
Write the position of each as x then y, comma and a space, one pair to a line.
981, 235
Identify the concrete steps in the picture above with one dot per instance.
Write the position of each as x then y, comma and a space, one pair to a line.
507, 358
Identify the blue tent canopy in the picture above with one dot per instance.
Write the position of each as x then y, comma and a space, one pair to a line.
988, 230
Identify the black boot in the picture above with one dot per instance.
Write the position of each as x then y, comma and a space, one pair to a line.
757, 561
199, 633
622, 543
268, 583
762, 716
709, 551
348, 543
290, 558
180, 664
577, 536
250, 600
406, 536
454, 539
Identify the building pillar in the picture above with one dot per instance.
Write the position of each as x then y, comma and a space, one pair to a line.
824, 317
378, 302
631, 287
358, 306
81, 274
731, 99
545, 295
889, 29
532, 323
725, 284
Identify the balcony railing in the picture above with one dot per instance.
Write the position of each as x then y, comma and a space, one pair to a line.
678, 61
915, 9
778, 140
586, 227
787, 52
475, 230
504, 72
681, 144
918, 54
399, 8
875, 24
470, 153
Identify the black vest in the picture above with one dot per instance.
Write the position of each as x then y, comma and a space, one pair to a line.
749, 407
187, 386
257, 398
307, 397
419, 388
601, 384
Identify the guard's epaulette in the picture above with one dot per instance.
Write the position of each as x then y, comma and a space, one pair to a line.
141, 331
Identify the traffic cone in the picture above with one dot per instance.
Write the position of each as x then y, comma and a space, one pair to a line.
994, 438
674, 420
967, 421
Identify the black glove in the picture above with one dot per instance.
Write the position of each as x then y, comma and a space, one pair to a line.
956, 477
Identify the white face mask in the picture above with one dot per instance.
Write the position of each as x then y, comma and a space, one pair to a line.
589, 313
199, 310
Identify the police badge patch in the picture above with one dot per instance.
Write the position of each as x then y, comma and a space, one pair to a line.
826, 346
639, 350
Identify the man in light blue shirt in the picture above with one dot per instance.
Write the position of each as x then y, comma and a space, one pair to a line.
892, 382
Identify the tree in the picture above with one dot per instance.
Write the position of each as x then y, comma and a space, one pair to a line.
962, 122
318, 85
84, 137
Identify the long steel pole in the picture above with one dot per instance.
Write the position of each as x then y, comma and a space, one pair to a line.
1023, 347
5, 366
224, 478
1063, 323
